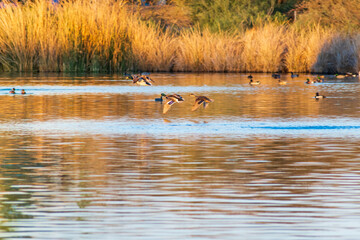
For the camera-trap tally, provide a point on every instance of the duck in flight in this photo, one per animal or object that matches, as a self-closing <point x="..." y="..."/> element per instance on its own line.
<point x="142" y="80"/>
<point x="174" y="98"/>
<point x="200" y="100"/>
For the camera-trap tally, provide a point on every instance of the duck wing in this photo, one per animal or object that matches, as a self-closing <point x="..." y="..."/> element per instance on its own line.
<point x="148" y="78"/>
<point x="197" y="104"/>
<point x="167" y="106"/>
<point x="147" y="82"/>
<point x="206" y="104"/>
<point x="178" y="97"/>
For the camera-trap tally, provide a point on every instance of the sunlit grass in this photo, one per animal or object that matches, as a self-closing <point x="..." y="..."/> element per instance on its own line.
<point x="107" y="36"/>
<point x="264" y="47"/>
<point x="304" y="47"/>
<point x="208" y="52"/>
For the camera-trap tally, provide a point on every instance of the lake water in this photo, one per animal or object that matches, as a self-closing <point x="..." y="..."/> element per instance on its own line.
<point x="93" y="157"/>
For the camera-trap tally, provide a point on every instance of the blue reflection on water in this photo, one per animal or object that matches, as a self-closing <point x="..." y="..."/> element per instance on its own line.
<point x="183" y="127"/>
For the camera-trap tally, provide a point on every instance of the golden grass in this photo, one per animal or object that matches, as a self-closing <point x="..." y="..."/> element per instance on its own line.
<point x="264" y="47"/>
<point x="108" y="36"/>
<point x="151" y="49"/>
<point x="208" y="52"/>
<point x="304" y="46"/>
<point x="92" y="36"/>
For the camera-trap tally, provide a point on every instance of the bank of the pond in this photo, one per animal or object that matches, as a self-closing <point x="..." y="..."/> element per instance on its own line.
<point x="106" y="36"/>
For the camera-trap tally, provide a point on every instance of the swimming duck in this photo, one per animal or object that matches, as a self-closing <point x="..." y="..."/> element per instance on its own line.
<point x="293" y="75"/>
<point x="250" y="77"/>
<point x="318" y="79"/>
<point x="276" y="75"/>
<point x="12" y="91"/>
<point x="349" y="74"/>
<point x="282" y="82"/>
<point x="23" y="91"/>
<point x="174" y="98"/>
<point x="308" y="81"/>
<point x="160" y="99"/>
<point x="339" y="76"/>
<point x="318" y="96"/>
<point x="200" y="100"/>
<point x="252" y="82"/>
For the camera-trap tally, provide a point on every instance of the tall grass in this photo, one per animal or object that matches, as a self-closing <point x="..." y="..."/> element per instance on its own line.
<point x="339" y="54"/>
<point x="151" y="48"/>
<point x="264" y="47"/>
<point x="92" y="36"/>
<point x="109" y="36"/>
<point x="74" y="36"/>
<point x="203" y="51"/>
<point x="303" y="47"/>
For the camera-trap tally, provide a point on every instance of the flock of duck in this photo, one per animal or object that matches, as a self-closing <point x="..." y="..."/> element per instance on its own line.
<point x="144" y="80"/>
<point x="317" y="79"/>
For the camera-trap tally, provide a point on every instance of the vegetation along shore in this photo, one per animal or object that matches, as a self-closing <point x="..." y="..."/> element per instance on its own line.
<point x="181" y="36"/>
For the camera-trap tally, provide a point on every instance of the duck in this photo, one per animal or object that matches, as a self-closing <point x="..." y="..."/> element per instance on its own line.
<point x="318" y="96"/>
<point x="293" y="75"/>
<point x="142" y="80"/>
<point x="282" y="82"/>
<point x="146" y="77"/>
<point x="340" y="76"/>
<point x="250" y="77"/>
<point x="252" y="82"/>
<point x="318" y="79"/>
<point x="174" y="98"/>
<point x="200" y="100"/>
<point x="160" y="99"/>
<point x="12" y="91"/>
<point x="276" y="75"/>
<point x="349" y="74"/>
<point x="23" y="91"/>
<point x="308" y="81"/>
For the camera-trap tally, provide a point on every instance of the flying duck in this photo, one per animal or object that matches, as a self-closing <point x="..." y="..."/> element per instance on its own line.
<point x="200" y="100"/>
<point x="174" y="98"/>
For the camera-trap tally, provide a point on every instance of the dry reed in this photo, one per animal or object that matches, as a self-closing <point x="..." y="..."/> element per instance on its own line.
<point x="339" y="54"/>
<point x="203" y="51"/>
<point x="108" y="36"/>
<point x="264" y="47"/>
<point x="304" y="46"/>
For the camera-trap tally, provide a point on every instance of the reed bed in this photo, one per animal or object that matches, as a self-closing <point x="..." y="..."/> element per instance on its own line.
<point x="338" y="54"/>
<point x="108" y="36"/>
<point x="304" y="47"/>
<point x="203" y="51"/>
<point x="264" y="48"/>
<point x="151" y="48"/>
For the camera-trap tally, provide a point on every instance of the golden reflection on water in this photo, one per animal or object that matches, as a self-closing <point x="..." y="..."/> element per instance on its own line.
<point x="52" y="178"/>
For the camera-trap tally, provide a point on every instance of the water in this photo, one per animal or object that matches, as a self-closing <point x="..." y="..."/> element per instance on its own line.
<point x="89" y="157"/>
